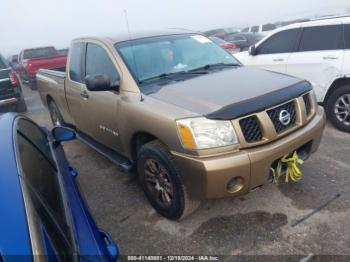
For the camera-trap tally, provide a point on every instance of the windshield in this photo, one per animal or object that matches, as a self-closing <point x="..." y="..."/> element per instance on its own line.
<point x="151" y="57"/>
<point x="39" y="52"/>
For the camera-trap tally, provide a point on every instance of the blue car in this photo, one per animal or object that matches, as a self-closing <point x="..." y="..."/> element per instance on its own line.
<point x="42" y="214"/>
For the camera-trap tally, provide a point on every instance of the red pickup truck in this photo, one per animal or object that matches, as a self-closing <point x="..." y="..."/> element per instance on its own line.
<point x="31" y="60"/>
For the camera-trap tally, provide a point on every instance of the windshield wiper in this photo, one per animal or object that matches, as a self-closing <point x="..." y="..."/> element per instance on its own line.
<point x="172" y="76"/>
<point x="214" y="66"/>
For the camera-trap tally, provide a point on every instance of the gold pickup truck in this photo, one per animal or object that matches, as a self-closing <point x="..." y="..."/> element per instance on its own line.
<point x="182" y="113"/>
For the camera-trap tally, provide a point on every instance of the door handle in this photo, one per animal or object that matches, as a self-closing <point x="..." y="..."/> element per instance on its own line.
<point x="84" y="95"/>
<point x="278" y="60"/>
<point x="330" y="57"/>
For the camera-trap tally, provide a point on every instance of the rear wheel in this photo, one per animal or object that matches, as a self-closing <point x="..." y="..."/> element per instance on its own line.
<point x="338" y="108"/>
<point x="161" y="181"/>
<point x="55" y="114"/>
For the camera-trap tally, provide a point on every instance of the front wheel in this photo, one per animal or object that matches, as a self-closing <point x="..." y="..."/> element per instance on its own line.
<point x="338" y="108"/>
<point x="161" y="181"/>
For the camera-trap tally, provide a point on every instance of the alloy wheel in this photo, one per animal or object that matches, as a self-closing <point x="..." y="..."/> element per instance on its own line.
<point x="158" y="183"/>
<point x="342" y="109"/>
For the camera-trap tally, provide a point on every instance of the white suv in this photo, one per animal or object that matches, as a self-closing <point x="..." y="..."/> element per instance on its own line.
<point x="318" y="51"/>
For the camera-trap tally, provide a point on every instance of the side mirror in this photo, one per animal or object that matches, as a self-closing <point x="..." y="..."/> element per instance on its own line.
<point x="252" y="50"/>
<point x="100" y="83"/>
<point x="61" y="133"/>
<point x="112" y="248"/>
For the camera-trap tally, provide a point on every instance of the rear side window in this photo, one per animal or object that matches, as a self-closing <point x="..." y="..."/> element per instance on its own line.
<point x="98" y="62"/>
<point x="45" y="191"/>
<point x="282" y="42"/>
<point x="2" y="63"/>
<point x="347" y="36"/>
<point x="37" y="137"/>
<point x="321" y="38"/>
<point x="75" y="69"/>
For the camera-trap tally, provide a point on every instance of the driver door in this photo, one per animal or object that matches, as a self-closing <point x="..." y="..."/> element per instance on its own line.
<point x="95" y="114"/>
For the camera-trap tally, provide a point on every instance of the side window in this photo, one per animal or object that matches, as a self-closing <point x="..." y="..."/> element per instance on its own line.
<point x="255" y="29"/>
<point x="239" y="38"/>
<point x="98" y="62"/>
<point x="45" y="192"/>
<point x="245" y="29"/>
<point x="321" y="38"/>
<point x="75" y="72"/>
<point x="3" y="64"/>
<point x="37" y="137"/>
<point x="268" y="27"/>
<point x="282" y="42"/>
<point x="347" y="36"/>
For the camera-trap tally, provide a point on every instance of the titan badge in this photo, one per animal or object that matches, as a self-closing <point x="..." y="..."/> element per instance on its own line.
<point x="284" y="117"/>
<point x="106" y="129"/>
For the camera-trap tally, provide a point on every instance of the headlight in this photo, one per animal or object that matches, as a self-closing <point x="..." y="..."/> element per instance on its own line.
<point x="203" y="133"/>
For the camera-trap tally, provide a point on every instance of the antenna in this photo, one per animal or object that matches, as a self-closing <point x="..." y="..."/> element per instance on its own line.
<point x="132" y="45"/>
<point x="127" y="22"/>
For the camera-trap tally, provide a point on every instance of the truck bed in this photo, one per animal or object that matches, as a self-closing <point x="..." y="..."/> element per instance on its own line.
<point x="55" y="62"/>
<point x="51" y="86"/>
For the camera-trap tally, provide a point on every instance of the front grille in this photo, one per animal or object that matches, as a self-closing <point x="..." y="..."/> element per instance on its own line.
<point x="307" y="102"/>
<point x="274" y="114"/>
<point x="251" y="129"/>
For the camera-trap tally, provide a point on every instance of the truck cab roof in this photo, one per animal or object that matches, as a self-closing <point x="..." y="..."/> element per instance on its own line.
<point x="138" y="35"/>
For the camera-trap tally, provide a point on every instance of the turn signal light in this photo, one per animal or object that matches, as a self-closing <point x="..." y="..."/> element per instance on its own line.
<point x="186" y="136"/>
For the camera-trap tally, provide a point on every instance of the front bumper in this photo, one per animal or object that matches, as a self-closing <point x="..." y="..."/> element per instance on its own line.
<point x="207" y="178"/>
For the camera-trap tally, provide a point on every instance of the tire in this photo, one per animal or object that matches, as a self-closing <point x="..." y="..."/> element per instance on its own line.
<point x="21" y="107"/>
<point x="55" y="114"/>
<point x="338" y="108"/>
<point x="155" y="154"/>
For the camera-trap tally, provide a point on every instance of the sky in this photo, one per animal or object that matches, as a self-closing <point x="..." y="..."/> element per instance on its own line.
<point x="32" y="23"/>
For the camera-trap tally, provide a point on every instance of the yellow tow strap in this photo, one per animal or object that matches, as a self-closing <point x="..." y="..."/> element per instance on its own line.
<point x="293" y="172"/>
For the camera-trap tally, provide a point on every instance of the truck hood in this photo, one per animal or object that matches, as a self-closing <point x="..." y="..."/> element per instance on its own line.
<point x="233" y="88"/>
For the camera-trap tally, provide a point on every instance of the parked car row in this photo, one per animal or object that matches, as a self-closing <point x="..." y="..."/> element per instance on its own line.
<point x="244" y="40"/>
<point x="221" y="32"/>
<point x="230" y="47"/>
<point x="29" y="61"/>
<point x="264" y="29"/>
<point x="318" y="51"/>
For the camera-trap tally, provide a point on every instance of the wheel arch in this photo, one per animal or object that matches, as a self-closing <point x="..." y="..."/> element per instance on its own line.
<point x="138" y="139"/>
<point x="336" y="83"/>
